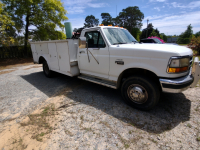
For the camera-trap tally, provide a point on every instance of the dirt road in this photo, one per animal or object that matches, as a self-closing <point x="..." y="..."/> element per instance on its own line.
<point x="67" y="113"/>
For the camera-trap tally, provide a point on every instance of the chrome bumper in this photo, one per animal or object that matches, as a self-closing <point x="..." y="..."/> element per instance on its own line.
<point x="183" y="83"/>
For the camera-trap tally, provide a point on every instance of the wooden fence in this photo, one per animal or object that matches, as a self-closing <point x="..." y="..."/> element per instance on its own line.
<point x="14" y="52"/>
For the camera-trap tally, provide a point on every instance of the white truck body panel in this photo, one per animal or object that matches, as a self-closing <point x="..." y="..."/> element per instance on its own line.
<point x="64" y="56"/>
<point x="61" y="55"/>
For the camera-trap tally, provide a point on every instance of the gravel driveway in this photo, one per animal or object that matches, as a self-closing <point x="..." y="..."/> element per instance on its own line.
<point x="91" y="116"/>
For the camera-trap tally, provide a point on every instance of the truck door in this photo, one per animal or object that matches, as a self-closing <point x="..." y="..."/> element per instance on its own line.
<point x="95" y="59"/>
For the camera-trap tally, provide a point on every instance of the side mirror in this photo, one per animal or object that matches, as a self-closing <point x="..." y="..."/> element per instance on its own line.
<point x="82" y="42"/>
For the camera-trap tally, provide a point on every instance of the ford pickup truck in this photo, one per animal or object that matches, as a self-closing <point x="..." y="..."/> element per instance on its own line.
<point x="112" y="57"/>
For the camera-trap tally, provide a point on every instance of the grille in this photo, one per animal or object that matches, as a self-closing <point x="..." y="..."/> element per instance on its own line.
<point x="191" y="60"/>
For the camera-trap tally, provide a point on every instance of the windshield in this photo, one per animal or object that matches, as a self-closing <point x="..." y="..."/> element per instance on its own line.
<point x="118" y="36"/>
<point x="157" y="41"/>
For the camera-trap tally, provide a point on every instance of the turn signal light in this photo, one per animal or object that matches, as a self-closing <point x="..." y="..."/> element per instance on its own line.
<point x="121" y="27"/>
<point x="101" y="25"/>
<point x="116" y="26"/>
<point x="110" y="25"/>
<point x="177" y="70"/>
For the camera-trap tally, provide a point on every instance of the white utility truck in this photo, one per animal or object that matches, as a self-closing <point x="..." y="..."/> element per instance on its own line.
<point x="111" y="56"/>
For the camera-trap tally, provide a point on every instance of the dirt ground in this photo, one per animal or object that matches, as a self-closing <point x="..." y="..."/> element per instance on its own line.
<point x="68" y="113"/>
<point x="10" y="63"/>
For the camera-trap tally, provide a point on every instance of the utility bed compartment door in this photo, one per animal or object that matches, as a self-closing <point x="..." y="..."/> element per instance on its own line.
<point x="53" y="57"/>
<point x="63" y="56"/>
<point x="35" y="55"/>
<point x="42" y="48"/>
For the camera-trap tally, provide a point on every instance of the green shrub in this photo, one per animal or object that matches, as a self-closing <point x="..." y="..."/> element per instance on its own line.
<point x="195" y="44"/>
<point x="183" y="40"/>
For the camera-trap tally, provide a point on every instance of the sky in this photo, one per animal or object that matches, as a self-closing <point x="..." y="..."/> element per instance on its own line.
<point x="169" y="16"/>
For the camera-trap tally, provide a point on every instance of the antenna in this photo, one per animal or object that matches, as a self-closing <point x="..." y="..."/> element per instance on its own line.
<point x="116" y="11"/>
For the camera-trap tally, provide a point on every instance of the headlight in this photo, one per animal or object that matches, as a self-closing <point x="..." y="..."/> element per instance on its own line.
<point x="178" y="65"/>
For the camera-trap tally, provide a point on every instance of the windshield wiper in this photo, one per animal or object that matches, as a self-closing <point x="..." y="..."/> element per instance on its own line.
<point x="119" y="43"/>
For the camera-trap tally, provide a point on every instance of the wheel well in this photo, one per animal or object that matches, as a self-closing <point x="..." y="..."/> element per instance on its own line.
<point x="41" y="60"/>
<point x="137" y="71"/>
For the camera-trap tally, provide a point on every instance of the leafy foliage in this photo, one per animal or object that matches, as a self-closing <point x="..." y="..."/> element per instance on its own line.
<point x="197" y="34"/>
<point x="48" y="32"/>
<point x="164" y="37"/>
<point x="130" y="18"/>
<point x="91" y="21"/>
<point x="186" y="36"/>
<point x="195" y="44"/>
<point x="136" y="33"/>
<point x="107" y="19"/>
<point x="147" y="31"/>
<point x="36" y="13"/>
<point x="5" y="24"/>
<point x="153" y="33"/>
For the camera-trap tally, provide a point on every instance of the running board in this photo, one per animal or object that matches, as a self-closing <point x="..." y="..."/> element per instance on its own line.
<point x="98" y="81"/>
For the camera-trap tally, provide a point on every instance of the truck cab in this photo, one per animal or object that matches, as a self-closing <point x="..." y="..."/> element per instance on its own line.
<point x="112" y="57"/>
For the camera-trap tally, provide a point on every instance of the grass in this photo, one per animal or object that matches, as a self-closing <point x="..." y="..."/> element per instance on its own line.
<point x="40" y="121"/>
<point x="196" y="56"/>
<point x="182" y="44"/>
<point x="198" y="139"/>
<point x="153" y="140"/>
<point x="189" y="125"/>
<point x="69" y="133"/>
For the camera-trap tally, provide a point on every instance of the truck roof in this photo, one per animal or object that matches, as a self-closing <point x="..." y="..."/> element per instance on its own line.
<point x="102" y="27"/>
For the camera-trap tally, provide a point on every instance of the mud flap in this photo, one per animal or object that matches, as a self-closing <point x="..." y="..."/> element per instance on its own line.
<point x="195" y="72"/>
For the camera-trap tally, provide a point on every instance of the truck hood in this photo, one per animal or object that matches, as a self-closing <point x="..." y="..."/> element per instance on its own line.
<point x="179" y="50"/>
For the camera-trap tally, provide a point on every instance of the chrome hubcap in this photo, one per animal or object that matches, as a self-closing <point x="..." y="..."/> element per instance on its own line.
<point x="137" y="93"/>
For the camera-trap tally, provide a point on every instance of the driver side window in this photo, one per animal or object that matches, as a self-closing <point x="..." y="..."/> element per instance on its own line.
<point x="94" y="40"/>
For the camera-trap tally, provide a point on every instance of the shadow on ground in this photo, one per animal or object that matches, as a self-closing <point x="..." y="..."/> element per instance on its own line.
<point x="170" y="111"/>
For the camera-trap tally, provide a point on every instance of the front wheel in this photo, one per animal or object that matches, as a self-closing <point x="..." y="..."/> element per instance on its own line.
<point x="47" y="72"/>
<point x="140" y="92"/>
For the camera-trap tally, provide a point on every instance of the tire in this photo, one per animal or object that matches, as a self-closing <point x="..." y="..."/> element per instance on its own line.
<point x="140" y="92"/>
<point x="47" y="72"/>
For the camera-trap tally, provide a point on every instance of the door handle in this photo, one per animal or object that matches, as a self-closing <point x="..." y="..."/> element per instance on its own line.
<point x="82" y="52"/>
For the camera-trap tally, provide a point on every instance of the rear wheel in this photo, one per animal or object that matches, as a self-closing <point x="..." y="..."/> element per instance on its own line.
<point x="140" y="92"/>
<point x="48" y="73"/>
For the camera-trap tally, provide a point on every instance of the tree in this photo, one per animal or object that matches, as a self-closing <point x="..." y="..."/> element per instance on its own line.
<point x="5" y="24"/>
<point x="136" y="33"/>
<point x="36" y="13"/>
<point x="107" y="19"/>
<point x="147" y="31"/>
<point x="186" y="36"/>
<point x="131" y="17"/>
<point x="91" y="21"/>
<point x="197" y="34"/>
<point x="153" y="33"/>
<point x="164" y="37"/>
<point x="116" y="21"/>
<point x="42" y="33"/>
<point x="157" y="32"/>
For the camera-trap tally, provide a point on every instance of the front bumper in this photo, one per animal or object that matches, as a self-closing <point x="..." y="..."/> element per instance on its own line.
<point x="180" y="84"/>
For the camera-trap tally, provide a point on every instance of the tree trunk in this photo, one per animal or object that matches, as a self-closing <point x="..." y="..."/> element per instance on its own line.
<point x="26" y="35"/>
